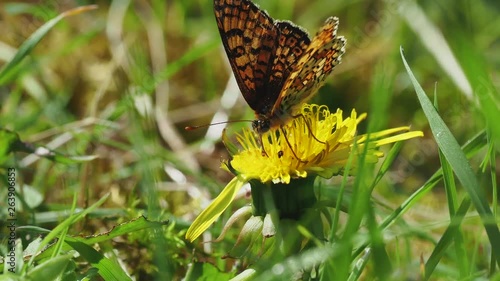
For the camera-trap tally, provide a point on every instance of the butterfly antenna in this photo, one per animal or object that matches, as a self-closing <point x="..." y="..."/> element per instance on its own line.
<point x="191" y="128"/>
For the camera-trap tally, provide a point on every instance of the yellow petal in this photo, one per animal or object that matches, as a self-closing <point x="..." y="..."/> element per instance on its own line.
<point x="215" y="209"/>
<point x="400" y="137"/>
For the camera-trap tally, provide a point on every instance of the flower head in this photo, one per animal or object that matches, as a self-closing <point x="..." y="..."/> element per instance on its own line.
<point x="316" y="142"/>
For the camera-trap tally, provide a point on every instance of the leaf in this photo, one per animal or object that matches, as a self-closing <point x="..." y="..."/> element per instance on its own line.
<point x="64" y="225"/>
<point x="51" y="269"/>
<point x="199" y="271"/>
<point x="119" y="230"/>
<point x="446" y="240"/>
<point x="28" y="45"/>
<point x="458" y="162"/>
<point x="7" y="141"/>
<point x="108" y="269"/>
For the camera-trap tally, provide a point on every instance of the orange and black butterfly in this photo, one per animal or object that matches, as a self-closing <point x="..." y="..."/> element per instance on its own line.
<point x="276" y="65"/>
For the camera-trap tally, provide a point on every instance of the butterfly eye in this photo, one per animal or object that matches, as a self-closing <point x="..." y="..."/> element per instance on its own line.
<point x="261" y="126"/>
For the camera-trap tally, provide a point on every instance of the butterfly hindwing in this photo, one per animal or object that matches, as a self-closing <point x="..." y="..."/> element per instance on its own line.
<point x="318" y="60"/>
<point x="291" y="43"/>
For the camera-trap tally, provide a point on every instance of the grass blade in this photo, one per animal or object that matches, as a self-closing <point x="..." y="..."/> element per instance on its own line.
<point x="108" y="269"/>
<point x="28" y="45"/>
<point x="447" y="238"/>
<point x="458" y="162"/>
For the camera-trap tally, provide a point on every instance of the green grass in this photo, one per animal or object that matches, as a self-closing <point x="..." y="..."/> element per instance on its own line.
<point x="93" y="106"/>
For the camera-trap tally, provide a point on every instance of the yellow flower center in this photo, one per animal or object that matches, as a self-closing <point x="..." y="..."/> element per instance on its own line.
<point x="317" y="141"/>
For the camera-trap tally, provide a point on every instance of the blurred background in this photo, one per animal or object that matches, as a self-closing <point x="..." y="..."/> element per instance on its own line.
<point x="122" y="81"/>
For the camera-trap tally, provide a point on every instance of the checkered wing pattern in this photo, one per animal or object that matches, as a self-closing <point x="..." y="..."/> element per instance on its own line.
<point x="321" y="56"/>
<point x="262" y="52"/>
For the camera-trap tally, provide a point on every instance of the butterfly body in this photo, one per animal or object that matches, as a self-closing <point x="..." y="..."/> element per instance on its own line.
<point x="276" y="65"/>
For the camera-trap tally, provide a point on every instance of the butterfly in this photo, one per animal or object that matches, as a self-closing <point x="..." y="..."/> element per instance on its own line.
<point x="276" y="65"/>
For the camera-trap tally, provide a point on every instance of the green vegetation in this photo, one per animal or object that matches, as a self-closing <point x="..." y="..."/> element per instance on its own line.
<point x="93" y="106"/>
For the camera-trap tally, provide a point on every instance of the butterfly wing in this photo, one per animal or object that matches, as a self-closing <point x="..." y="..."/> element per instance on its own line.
<point x="292" y="42"/>
<point x="318" y="60"/>
<point x="248" y="35"/>
<point x="262" y="53"/>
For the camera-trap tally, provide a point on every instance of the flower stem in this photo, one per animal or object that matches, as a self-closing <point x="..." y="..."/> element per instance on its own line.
<point x="289" y="200"/>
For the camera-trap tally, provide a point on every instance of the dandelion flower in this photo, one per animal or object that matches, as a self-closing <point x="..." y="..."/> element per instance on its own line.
<point x="315" y="143"/>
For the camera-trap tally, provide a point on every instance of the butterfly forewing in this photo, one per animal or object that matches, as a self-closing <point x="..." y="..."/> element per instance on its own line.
<point x="262" y="53"/>
<point x="276" y="65"/>
<point x="291" y="43"/>
<point x="318" y="60"/>
<point x="248" y="35"/>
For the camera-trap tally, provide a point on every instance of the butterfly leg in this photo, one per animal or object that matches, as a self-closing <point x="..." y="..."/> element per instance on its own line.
<point x="263" y="152"/>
